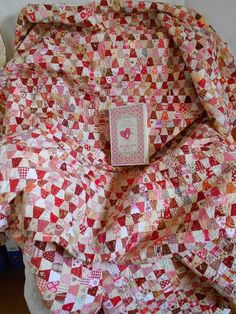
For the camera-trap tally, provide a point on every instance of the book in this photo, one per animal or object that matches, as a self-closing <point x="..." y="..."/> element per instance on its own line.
<point x="14" y="254"/>
<point x="129" y="135"/>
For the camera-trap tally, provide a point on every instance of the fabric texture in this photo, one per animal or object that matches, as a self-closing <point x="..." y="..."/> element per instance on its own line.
<point x="102" y="239"/>
<point x="31" y="292"/>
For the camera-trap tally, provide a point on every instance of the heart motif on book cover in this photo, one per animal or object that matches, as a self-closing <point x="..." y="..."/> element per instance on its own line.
<point x="125" y="133"/>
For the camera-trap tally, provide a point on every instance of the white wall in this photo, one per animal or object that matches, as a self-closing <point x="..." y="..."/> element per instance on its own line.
<point x="220" y="13"/>
<point x="222" y="16"/>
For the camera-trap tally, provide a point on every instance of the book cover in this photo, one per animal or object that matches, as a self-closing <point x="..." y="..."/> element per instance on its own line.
<point x="128" y="135"/>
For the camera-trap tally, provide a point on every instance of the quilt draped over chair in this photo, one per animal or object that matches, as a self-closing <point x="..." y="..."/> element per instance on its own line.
<point x="153" y="239"/>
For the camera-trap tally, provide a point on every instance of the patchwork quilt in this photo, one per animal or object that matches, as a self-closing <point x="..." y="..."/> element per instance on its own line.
<point x="147" y="239"/>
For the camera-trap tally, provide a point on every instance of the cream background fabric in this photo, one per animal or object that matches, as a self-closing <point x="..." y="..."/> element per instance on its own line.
<point x="2" y="52"/>
<point x="31" y="293"/>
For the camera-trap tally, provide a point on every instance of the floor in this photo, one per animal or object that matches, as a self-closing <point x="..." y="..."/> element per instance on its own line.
<point x="12" y="293"/>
